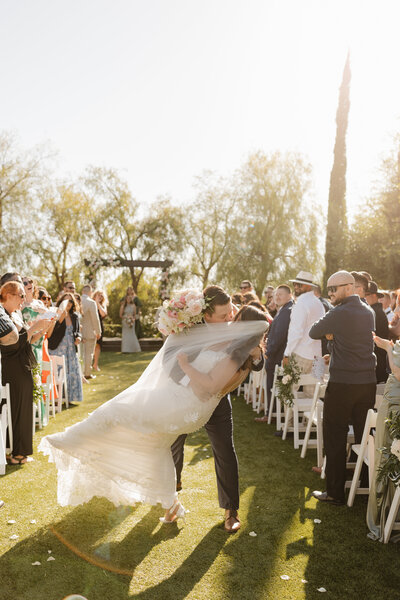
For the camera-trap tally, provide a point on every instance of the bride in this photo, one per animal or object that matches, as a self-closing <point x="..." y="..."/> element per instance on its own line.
<point x="122" y="451"/>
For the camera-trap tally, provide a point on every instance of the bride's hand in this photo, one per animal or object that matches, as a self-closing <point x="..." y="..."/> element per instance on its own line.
<point x="183" y="361"/>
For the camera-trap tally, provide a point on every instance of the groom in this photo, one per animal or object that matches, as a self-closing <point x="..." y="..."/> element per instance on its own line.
<point x="220" y="425"/>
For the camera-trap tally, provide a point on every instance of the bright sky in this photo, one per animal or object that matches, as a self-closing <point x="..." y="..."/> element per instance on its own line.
<point x="162" y="89"/>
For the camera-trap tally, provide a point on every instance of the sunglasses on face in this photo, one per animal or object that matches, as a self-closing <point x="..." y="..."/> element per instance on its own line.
<point x="20" y="295"/>
<point x="27" y="282"/>
<point x="331" y="289"/>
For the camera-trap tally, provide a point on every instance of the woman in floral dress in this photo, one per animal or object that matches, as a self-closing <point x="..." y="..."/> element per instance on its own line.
<point x="64" y="342"/>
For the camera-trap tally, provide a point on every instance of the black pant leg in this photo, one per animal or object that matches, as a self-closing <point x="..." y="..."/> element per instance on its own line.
<point x="365" y="399"/>
<point x="177" y="450"/>
<point x="220" y="432"/>
<point x="337" y="410"/>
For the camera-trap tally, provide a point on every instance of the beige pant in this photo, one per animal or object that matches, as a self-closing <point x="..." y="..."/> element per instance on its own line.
<point x="305" y="365"/>
<point x="88" y="352"/>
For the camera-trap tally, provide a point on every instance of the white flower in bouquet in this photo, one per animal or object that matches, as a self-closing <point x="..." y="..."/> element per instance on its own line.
<point x="286" y="379"/>
<point x="395" y="448"/>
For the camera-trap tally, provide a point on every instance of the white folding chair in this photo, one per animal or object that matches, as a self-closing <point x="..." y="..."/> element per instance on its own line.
<point x="49" y="391"/>
<point x="60" y="376"/>
<point x="313" y="417"/>
<point x="391" y="523"/>
<point x="275" y="402"/>
<point x="365" y="454"/>
<point x="5" y="423"/>
<point x="37" y="416"/>
<point x="301" y="404"/>
<point x="257" y="389"/>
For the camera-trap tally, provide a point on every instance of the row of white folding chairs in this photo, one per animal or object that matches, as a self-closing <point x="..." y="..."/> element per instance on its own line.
<point x="56" y="368"/>
<point x="5" y="424"/>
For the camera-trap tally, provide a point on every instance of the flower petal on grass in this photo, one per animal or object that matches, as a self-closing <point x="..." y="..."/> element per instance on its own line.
<point x="285" y="577"/>
<point x="304" y="581"/>
<point x="14" y="536"/>
<point x="33" y="522"/>
<point x="50" y="558"/>
<point x="11" y="522"/>
<point x="321" y="589"/>
<point x="253" y="534"/>
<point x="36" y="564"/>
<point x="317" y="521"/>
<point x="49" y="551"/>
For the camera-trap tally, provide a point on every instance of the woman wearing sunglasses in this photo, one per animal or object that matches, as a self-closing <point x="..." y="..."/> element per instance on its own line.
<point x="17" y="361"/>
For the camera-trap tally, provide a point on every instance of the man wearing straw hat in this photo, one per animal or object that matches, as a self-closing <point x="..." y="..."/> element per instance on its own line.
<point x="305" y="312"/>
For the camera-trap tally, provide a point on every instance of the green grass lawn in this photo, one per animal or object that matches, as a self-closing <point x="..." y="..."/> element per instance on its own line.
<point x="108" y="553"/>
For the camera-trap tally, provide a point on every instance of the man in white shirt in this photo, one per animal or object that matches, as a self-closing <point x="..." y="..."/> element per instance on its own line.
<point x="305" y="312"/>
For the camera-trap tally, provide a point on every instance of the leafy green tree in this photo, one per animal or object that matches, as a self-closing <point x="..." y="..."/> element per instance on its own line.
<point x="336" y="233"/>
<point x="121" y="231"/>
<point x="275" y="230"/>
<point x="209" y="226"/>
<point x="61" y="232"/>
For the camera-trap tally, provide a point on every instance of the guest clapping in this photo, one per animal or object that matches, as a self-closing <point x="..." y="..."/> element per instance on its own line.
<point x="17" y="362"/>
<point x="64" y="341"/>
<point x="100" y="297"/>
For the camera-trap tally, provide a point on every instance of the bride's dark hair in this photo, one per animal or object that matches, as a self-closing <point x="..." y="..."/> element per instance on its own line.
<point x="249" y="313"/>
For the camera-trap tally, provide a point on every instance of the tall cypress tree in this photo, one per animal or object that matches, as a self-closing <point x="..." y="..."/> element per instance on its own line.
<point x="336" y="233"/>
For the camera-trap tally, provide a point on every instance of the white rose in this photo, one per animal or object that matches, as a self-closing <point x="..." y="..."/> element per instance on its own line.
<point x="286" y="379"/>
<point x="395" y="448"/>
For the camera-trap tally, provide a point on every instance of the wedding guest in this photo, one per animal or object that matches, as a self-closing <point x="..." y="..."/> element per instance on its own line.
<point x="68" y="287"/>
<point x="277" y="337"/>
<point x="385" y="300"/>
<point x="382" y="490"/>
<point x="100" y="297"/>
<point x="10" y="277"/>
<point x="64" y="341"/>
<point x="261" y="307"/>
<point x="31" y="309"/>
<point x="381" y="329"/>
<point x="246" y="287"/>
<point x="360" y="285"/>
<point x="91" y="329"/>
<point x="237" y="299"/>
<point x="393" y="299"/>
<point x="17" y="360"/>
<point x="305" y="312"/>
<point x="128" y="313"/>
<point x="45" y="297"/>
<point x="250" y="297"/>
<point x="352" y="381"/>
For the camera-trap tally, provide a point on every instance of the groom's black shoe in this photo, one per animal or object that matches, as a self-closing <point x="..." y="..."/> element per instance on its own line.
<point x="178" y="486"/>
<point x="232" y="522"/>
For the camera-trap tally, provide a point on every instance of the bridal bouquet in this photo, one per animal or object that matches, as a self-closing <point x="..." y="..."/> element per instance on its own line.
<point x="130" y="321"/>
<point x="181" y="312"/>
<point x="290" y="376"/>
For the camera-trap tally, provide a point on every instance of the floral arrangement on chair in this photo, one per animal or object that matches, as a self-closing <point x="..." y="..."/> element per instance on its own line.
<point x="391" y="467"/>
<point x="291" y="373"/>
<point x="182" y="311"/>
<point x="37" y="385"/>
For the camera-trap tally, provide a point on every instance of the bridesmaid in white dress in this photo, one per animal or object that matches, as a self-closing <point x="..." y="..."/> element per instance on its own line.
<point x="128" y="314"/>
<point x="122" y="451"/>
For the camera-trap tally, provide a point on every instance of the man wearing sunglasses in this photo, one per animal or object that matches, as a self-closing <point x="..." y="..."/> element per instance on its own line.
<point x="352" y="382"/>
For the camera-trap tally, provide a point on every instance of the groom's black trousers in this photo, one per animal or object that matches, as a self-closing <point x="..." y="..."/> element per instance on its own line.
<point x="220" y="431"/>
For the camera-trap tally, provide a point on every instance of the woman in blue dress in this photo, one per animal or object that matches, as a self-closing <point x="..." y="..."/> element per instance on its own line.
<point x="64" y="342"/>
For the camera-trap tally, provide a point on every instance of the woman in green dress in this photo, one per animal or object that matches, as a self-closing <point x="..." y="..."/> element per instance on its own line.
<point x="382" y="491"/>
<point x="31" y="308"/>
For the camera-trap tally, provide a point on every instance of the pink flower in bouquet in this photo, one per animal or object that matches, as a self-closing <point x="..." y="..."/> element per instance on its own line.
<point x="195" y="307"/>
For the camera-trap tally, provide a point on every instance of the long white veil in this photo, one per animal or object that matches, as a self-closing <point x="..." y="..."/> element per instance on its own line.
<point x="164" y="377"/>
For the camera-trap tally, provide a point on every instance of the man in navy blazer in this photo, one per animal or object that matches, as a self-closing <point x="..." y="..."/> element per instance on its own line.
<point x="277" y="335"/>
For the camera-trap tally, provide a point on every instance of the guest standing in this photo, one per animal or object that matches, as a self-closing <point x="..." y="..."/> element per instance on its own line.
<point x="64" y="341"/>
<point x="100" y="297"/>
<point x="91" y="329"/>
<point x="127" y="313"/>
<point x="17" y="361"/>
<point x="352" y="381"/>
<point x="381" y="329"/>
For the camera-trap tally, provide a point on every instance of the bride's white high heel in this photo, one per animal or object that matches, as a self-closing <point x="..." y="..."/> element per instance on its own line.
<point x="174" y="513"/>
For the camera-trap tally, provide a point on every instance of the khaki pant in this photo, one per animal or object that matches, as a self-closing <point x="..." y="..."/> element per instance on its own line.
<point x="88" y="353"/>
<point x="305" y="365"/>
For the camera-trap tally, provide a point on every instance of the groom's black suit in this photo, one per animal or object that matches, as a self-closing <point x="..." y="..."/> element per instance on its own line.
<point x="220" y="431"/>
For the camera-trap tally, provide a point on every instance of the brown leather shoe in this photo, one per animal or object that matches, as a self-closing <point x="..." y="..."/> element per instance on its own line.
<point x="232" y="521"/>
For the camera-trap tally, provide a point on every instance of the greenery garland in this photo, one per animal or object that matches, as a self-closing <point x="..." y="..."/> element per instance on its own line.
<point x="37" y="384"/>
<point x="291" y="374"/>
<point x="391" y="467"/>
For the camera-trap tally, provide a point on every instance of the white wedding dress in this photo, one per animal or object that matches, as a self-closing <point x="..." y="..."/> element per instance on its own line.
<point x="122" y="451"/>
